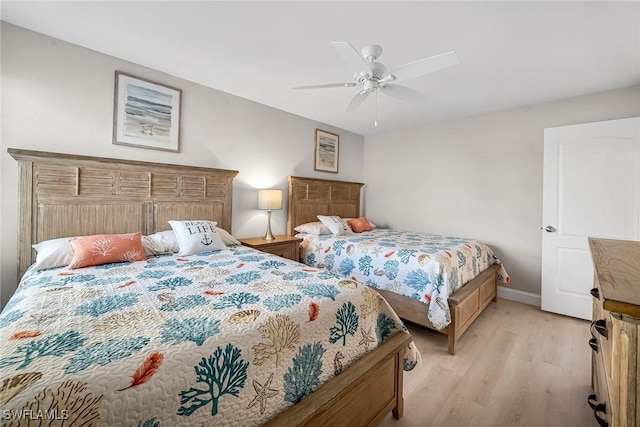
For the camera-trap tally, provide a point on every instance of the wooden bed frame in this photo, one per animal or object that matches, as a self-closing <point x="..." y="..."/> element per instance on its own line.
<point x="63" y="195"/>
<point x="309" y="197"/>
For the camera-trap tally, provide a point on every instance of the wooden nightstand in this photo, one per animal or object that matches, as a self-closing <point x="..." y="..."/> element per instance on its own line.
<point x="284" y="246"/>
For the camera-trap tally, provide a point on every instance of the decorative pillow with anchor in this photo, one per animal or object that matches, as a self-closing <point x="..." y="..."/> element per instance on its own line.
<point x="337" y="225"/>
<point x="197" y="236"/>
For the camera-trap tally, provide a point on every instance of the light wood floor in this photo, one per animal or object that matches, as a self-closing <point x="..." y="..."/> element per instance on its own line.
<point x="515" y="366"/>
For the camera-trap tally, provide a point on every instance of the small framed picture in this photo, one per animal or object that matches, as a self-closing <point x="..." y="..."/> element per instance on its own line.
<point x="327" y="147"/>
<point x="146" y="114"/>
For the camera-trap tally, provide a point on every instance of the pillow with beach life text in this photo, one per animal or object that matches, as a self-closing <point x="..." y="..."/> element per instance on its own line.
<point x="195" y="236"/>
<point x="337" y="225"/>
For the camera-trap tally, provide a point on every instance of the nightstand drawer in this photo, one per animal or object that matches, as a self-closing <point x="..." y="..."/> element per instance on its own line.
<point x="282" y="246"/>
<point x="285" y="251"/>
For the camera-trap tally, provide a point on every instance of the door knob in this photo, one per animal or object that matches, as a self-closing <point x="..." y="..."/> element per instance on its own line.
<point x="550" y="229"/>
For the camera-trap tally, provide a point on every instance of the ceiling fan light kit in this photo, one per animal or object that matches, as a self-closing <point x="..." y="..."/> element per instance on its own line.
<point x="372" y="76"/>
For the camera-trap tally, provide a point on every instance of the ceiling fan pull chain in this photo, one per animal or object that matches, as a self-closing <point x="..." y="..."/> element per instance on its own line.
<point x="375" y="122"/>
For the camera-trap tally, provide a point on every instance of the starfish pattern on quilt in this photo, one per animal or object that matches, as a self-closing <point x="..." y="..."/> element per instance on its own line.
<point x="263" y="392"/>
<point x="367" y="338"/>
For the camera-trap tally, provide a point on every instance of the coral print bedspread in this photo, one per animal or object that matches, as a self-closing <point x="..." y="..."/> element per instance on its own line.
<point x="231" y="337"/>
<point x="425" y="267"/>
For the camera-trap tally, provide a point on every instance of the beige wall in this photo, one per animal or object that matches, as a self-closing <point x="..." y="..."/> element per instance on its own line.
<point x="479" y="177"/>
<point x="476" y="177"/>
<point x="59" y="97"/>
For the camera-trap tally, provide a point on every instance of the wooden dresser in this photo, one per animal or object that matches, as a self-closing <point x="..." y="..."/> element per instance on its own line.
<point x="615" y="332"/>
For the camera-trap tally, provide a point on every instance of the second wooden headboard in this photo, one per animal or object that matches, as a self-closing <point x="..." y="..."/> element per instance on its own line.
<point x="309" y="197"/>
<point x="64" y="195"/>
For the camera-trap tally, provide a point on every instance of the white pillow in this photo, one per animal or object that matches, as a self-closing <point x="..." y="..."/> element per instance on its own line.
<point x="163" y="242"/>
<point x="316" y="228"/>
<point x="196" y="236"/>
<point x="227" y="238"/>
<point x="337" y="225"/>
<point x="52" y="253"/>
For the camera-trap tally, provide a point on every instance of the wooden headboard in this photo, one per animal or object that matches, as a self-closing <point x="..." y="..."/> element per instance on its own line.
<point x="64" y="195"/>
<point x="309" y="197"/>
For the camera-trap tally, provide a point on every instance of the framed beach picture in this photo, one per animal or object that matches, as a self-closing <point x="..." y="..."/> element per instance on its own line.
<point x="327" y="145"/>
<point x="146" y="114"/>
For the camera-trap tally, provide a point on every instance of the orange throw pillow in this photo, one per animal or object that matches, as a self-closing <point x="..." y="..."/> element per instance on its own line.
<point x="105" y="249"/>
<point x="359" y="224"/>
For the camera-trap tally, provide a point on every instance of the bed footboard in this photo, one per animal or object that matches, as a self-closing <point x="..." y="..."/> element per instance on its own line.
<point x="465" y="305"/>
<point x="362" y="395"/>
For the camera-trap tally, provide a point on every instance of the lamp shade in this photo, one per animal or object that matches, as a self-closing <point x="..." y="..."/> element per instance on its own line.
<point x="270" y="199"/>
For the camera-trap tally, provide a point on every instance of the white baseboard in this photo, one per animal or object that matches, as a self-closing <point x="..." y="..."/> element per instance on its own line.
<point x="520" y="296"/>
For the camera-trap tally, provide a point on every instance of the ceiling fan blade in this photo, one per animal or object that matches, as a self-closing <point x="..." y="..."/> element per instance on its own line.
<point x="425" y="66"/>
<point x="351" y="57"/>
<point x="402" y="92"/>
<point x="357" y="100"/>
<point x="326" y="86"/>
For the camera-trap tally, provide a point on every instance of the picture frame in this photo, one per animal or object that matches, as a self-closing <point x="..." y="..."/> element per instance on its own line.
<point x="146" y="114"/>
<point x="327" y="151"/>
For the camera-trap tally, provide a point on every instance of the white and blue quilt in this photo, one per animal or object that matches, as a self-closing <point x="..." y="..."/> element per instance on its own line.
<point x="231" y="337"/>
<point x="425" y="267"/>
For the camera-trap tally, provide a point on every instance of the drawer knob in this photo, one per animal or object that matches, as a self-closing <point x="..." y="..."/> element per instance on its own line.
<point x="591" y="400"/>
<point x="595" y="293"/>
<point x="601" y="408"/>
<point x="601" y="327"/>
<point x="593" y="343"/>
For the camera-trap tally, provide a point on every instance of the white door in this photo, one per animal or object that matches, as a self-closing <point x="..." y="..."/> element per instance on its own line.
<point x="591" y="188"/>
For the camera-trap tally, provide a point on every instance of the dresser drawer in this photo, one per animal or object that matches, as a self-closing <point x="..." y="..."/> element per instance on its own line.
<point x="601" y="404"/>
<point x="624" y="387"/>
<point x="602" y="332"/>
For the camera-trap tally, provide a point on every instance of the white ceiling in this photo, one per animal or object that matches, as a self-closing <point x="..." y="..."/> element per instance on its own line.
<point x="512" y="53"/>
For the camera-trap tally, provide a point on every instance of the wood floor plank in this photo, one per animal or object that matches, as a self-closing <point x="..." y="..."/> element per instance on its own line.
<point x="480" y="383"/>
<point x="459" y="411"/>
<point x="436" y="388"/>
<point x="515" y="366"/>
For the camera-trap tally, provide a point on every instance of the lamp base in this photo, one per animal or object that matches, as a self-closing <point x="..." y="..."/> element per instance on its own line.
<point x="268" y="235"/>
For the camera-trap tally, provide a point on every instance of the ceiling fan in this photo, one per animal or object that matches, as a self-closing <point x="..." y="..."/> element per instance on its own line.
<point x="372" y="76"/>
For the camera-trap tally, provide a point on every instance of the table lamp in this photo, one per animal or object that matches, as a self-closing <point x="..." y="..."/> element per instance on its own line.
<point x="269" y="200"/>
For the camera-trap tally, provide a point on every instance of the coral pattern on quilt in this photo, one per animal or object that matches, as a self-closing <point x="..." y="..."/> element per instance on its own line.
<point x="425" y="267"/>
<point x="231" y="337"/>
